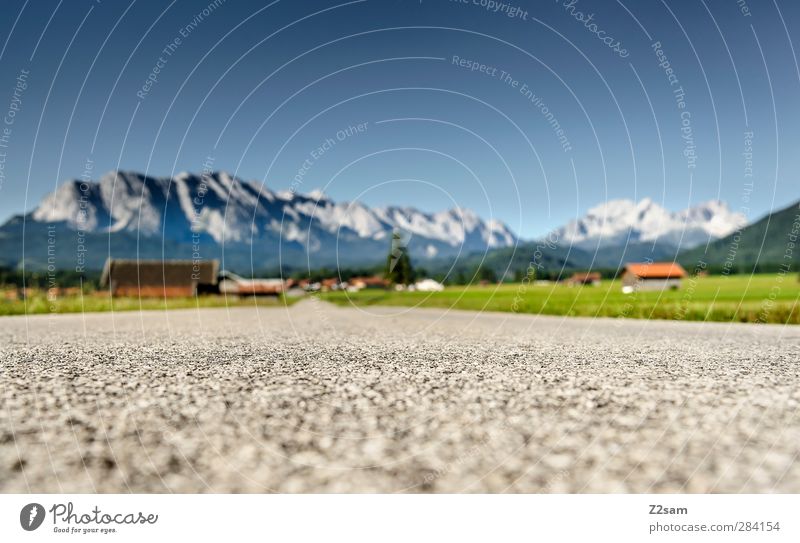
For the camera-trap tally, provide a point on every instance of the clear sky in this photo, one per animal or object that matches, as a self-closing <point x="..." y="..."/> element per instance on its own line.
<point x="530" y="112"/>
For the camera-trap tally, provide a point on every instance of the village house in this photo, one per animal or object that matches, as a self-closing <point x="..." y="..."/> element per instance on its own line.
<point x="302" y="284"/>
<point x="159" y="278"/>
<point x="359" y="283"/>
<point x="331" y="283"/>
<point x="232" y="284"/>
<point x="652" y="276"/>
<point x="584" y="278"/>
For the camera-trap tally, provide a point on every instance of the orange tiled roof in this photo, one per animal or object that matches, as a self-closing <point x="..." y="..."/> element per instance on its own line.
<point x="657" y="270"/>
<point x="374" y="280"/>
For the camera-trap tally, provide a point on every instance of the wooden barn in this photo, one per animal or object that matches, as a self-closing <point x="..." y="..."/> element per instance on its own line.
<point x="652" y="276"/>
<point x="584" y="278"/>
<point x="159" y="278"/>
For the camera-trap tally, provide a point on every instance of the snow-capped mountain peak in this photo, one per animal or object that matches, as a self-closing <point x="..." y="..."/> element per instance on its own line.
<point x="317" y="194"/>
<point x="228" y="210"/>
<point x="617" y="222"/>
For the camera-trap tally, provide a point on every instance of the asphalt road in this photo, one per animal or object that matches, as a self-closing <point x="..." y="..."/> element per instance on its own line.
<point x="317" y="398"/>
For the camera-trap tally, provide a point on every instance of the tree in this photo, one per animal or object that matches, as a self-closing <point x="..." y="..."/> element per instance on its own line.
<point x="398" y="264"/>
<point x="461" y="278"/>
<point x="486" y="274"/>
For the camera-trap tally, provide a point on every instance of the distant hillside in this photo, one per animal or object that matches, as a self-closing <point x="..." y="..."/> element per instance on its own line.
<point x="550" y="260"/>
<point x="510" y="262"/>
<point x="762" y="246"/>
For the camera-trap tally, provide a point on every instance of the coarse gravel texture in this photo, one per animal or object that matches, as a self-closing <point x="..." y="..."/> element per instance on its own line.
<point x="317" y="398"/>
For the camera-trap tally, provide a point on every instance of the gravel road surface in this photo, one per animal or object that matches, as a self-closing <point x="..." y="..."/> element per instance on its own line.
<point x="317" y="398"/>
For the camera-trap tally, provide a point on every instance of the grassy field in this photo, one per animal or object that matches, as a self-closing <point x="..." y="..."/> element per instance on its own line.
<point x="766" y="298"/>
<point x="39" y="304"/>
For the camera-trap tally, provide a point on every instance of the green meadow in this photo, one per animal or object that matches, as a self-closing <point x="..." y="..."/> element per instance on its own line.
<point x="763" y="298"/>
<point x="39" y="303"/>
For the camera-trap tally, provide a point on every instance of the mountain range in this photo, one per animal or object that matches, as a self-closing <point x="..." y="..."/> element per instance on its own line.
<point x="620" y="222"/>
<point x="128" y="214"/>
<point x="251" y="228"/>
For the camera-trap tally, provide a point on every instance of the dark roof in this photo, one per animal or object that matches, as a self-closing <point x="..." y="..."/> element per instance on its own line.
<point x="159" y="272"/>
<point x="585" y="277"/>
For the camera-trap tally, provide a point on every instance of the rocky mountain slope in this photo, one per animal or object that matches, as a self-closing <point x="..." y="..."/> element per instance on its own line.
<point x="620" y="222"/>
<point x="245" y="221"/>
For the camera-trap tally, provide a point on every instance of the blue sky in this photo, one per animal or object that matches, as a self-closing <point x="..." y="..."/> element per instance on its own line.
<point x="563" y="110"/>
